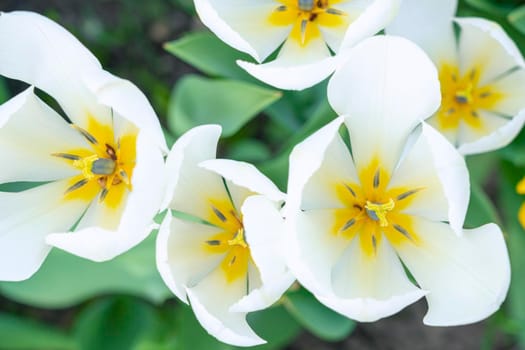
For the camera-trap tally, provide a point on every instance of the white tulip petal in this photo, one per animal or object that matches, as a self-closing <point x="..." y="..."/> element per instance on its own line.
<point x="428" y="23"/>
<point x="25" y="150"/>
<point x="26" y="218"/>
<point x="491" y="123"/>
<point x="95" y="243"/>
<point x="98" y="214"/>
<point x="501" y="137"/>
<point x="417" y="172"/>
<point x="305" y="159"/>
<point x="512" y="86"/>
<point x="313" y="249"/>
<point x="453" y="174"/>
<point x="107" y="232"/>
<point x="296" y="67"/>
<point x="368" y="309"/>
<point x="124" y="98"/>
<point x="189" y="187"/>
<point x="337" y="168"/>
<point x="334" y="35"/>
<point x="268" y="294"/>
<point x="467" y="276"/>
<point x="265" y="234"/>
<point x="375" y="89"/>
<point x="211" y="300"/>
<point x="238" y="194"/>
<point x="477" y="38"/>
<point x="244" y="175"/>
<point x="375" y="18"/>
<point x="444" y="181"/>
<point x="181" y="259"/>
<point x="243" y="24"/>
<point x="46" y="55"/>
<point x="368" y="288"/>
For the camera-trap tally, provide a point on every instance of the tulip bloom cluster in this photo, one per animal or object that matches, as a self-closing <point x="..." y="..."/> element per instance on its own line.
<point x="375" y="197"/>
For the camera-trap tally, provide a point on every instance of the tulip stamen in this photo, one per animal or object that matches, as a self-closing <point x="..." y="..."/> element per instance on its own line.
<point x="403" y="231"/>
<point x="219" y="214"/>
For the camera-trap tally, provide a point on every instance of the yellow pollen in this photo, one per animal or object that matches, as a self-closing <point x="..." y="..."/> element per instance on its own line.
<point x="377" y="212"/>
<point x="238" y="239"/>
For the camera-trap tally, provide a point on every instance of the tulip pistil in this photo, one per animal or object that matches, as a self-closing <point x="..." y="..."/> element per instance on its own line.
<point x="377" y="212"/>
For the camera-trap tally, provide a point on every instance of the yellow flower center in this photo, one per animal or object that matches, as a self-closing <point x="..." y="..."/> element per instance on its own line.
<point x="105" y="169"/>
<point x="463" y="97"/>
<point x="306" y="16"/>
<point x="230" y="242"/>
<point x="372" y="210"/>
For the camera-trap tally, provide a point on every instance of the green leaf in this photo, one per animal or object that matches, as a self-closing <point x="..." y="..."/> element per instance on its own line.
<point x="489" y="7"/>
<point x="277" y="168"/>
<point x="18" y="333"/>
<point x="517" y="18"/>
<point x="186" y="5"/>
<point x="317" y="318"/>
<point x="191" y="335"/>
<point x="113" y="323"/>
<point x="276" y="326"/>
<point x="510" y="202"/>
<point x="481" y="210"/>
<point x="482" y="166"/>
<point x="65" y="280"/>
<point x="206" y="52"/>
<point x="196" y="101"/>
<point x="248" y="150"/>
<point x="4" y="94"/>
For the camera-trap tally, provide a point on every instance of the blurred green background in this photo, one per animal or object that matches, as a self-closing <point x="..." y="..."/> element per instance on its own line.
<point x="72" y="303"/>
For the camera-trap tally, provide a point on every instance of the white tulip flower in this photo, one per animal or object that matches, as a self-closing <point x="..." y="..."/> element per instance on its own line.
<point x="398" y="199"/>
<point x="481" y="70"/>
<point x="98" y="177"/>
<point x="221" y="248"/>
<point x="310" y="30"/>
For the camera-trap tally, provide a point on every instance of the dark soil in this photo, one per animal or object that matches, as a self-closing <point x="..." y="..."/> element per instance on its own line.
<point x="405" y="331"/>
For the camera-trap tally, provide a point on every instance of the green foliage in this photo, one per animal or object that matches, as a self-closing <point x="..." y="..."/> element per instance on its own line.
<point x="510" y="202"/>
<point x="517" y="18"/>
<point x="481" y="210"/>
<point x="206" y="52"/>
<point x="316" y="317"/>
<point x="114" y="323"/>
<point x="24" y="334"/>
<point x="195" y="101"/>
<point x="277" y="167"/>
<point x="276" y="325"/>
<point x="192" y="335"/>
<point x="4" y="94"/>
